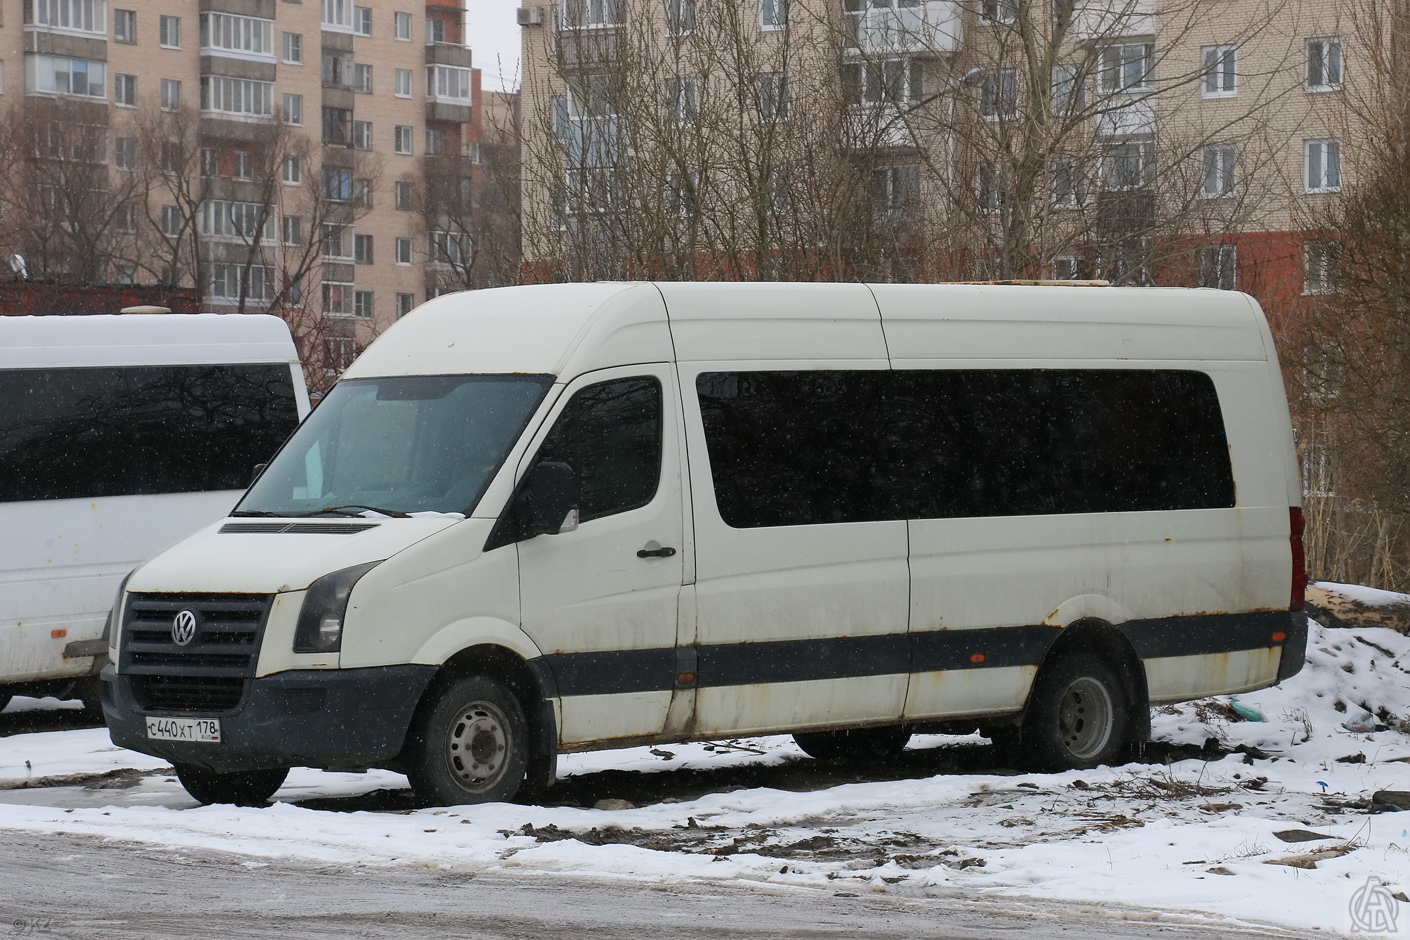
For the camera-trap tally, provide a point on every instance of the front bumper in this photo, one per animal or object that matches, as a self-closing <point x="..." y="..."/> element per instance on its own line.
<point x="326" y="718"/>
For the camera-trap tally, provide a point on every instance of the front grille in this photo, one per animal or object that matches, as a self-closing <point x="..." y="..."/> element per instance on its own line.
<point x="225" y="643"/>
<point x="188" y="693"/>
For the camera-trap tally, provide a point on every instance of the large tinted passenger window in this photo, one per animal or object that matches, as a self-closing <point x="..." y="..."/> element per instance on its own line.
<point x="120" y="431"/>
<point x="610" y="434"/>
<point x="796" y="448"/>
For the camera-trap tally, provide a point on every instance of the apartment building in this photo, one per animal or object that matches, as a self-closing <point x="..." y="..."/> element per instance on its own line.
<point x="1142" y="141"/>
<point x="280" y="144"/>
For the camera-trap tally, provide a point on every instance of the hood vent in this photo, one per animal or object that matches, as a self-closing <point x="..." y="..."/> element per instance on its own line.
<point x="298" y="528"/>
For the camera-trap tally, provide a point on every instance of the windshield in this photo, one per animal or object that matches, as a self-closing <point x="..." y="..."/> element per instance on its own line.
<point x="426" y="443"/>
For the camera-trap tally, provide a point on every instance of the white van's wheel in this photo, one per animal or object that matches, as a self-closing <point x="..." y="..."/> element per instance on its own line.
<point x="1077" y="715"/>
<point x="469" y="744"/>
<point x="241" y="787"/>
<point x="855" y="745"/>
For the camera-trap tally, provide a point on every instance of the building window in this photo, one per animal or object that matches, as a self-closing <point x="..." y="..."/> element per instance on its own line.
<point x="682" y="97"/>
<point x="245" y="221"/>
<point x="244" y="165"/>
<point x="882" y="81"/>
<point x="335" y="242"/>
<point x="993" y="187"/>
<point x="169" y="32"/>
<point x="999" y="11"/>
<point x="401" y="139"/>
<point x="362" y="135"/>
<point x="1319" y="267"/>
<point x="236" y="281"/>
<point x="1067" y="268"/>
<point x="362" y="21"/>
<point x="1322" y="161"/>
<point x="590" y="14"/>
<point x="337" y="126"/>
<point x="125" y="26"/>
<point x="293" y="171"/>
<point x="171" y="221"/>
<point x="435" y="141"/>
<point x="338" y="15"/>
<point x="59" y="75"/>
<point x="1127" y="68"/>
<point x="337" y="299"/>
<point x="402" y="26"/>
<point x="773" y="14"/>
<point x="402" y="86"/>
<point x="1218" y="171"/>
<point x="362" y="78"/>
<point x="1069" y="90"/>
<point x="125" y="219"/>
<point x="84" y="16"/>
<point x="998" y="94"/>
<point x="337" y="184"/>
<point x="402" y="192"/>
<point x="1219" y="71"/>
<point x="773" y="96"/>
<point x="1323" y="64"/>
<point x="125" y="90"/>
<point x="403" y="251"/>
<point x="895" y="190"/>
<point x="171" y="95"/>
<point x="294" y="109"/>
<point x="447" y="248"/>
<point x="293" y="230"/>
<point x="243" y="35"/>
<point x="362" y="249"/>
<point x="680" y="17"/>
<point x="362" y="193"/>
<point x="293" y="48"/>
<point x="1069" y="184"/>
<point x="1128" y="165"/>
<point x="1218" y="265"/>
<point x="362" y="304"/>
<point x="435" y="30"/>
<point x="405" y="302"/>
<point x="448" y="83"/>
<point x="210" y="162"/>
<point x="125" y="153"/>
<point x="337" y="69"/>
<point x="244" y="97"/>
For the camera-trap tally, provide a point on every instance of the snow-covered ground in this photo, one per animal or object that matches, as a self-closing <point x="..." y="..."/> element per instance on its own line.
<point x="1207" y="837"/>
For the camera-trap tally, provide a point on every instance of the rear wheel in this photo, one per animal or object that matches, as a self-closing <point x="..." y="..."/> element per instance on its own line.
<point x="469" y="743"/>
<point x="1077" y="715"/>
<point x="241" y="787"/>
<point x="855" y="745"/>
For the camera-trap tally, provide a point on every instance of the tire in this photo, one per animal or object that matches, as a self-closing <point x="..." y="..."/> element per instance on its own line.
<point x="469" y="743"/>
<point x="1078" y="715"/>
<point x="242" y="787"/>
<point x="855" y="745"/>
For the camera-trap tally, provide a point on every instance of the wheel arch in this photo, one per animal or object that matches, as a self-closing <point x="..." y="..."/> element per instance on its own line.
<point x="1111" y="645"/>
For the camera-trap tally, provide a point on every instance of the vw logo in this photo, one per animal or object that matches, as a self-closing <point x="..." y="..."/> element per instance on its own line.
<point x="183" y="627"/>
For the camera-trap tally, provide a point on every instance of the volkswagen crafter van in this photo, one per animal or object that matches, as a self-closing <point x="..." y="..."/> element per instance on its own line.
<point x="544" y="519"/>
<point x="120" y="435"/>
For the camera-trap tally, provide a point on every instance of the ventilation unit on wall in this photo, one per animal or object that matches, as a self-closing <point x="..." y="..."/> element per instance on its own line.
<point x="530" y="16"/>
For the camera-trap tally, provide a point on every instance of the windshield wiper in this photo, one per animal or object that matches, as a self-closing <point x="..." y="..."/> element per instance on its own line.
<point x="254" y="512"/>
<point x="354" y="509"/>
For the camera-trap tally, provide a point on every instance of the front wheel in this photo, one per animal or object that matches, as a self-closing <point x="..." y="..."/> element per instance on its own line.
<point x="1077" y="715"/>
<point x="241" y="787"/>
<point x="469" y="743"/>
<point x="855" y="745"/>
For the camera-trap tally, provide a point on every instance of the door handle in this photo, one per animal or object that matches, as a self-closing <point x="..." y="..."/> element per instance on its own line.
<point x="655" y="552"/>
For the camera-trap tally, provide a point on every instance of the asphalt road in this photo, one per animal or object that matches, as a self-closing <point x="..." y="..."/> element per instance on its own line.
<point x="61" y="886"/>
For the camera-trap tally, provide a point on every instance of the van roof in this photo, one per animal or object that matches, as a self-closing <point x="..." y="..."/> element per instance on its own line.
<point x="569" y="329"/>
<point x="143" y="339"/>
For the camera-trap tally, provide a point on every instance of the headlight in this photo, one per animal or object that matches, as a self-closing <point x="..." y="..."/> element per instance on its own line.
<point x="320" y="628"/>
<point x="114" y="622"/>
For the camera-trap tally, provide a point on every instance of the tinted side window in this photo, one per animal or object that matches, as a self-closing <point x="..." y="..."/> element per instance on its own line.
<point x="120" y="431"/>
<point x="610" y="434"/>
<point x="797" y="448"/>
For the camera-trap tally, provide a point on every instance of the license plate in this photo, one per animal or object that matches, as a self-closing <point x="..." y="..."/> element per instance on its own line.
<point x="202" y="730"/>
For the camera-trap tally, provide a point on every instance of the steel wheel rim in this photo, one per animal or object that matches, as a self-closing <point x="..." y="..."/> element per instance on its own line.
<point x="1085" y="718"/>
<point x="477" y="746"/>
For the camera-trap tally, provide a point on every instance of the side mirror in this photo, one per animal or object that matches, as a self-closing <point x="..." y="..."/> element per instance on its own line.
<point x="259" y="468"/>
<point x="550" y="500"/>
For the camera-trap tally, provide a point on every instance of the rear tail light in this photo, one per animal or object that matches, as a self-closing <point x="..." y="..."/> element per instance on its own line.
<point x="1296" y="524"/>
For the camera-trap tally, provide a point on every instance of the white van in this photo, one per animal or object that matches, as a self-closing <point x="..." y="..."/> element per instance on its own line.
<point x="118" y="436"/>
<point x="558" y="518"/>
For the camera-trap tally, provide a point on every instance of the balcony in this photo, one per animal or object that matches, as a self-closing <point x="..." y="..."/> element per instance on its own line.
<point x="871" y="127"/>
<point x="925" y="28"/>
<point x="448" y="53"/>
<point x="1108" y="19"/>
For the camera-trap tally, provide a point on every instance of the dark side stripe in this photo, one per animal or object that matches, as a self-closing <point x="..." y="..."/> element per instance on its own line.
<point x="655" y="670"/>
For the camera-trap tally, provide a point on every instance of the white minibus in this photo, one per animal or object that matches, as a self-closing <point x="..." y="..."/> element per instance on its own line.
<point x="120" y="434"/>
<point x="543" y="519"/>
